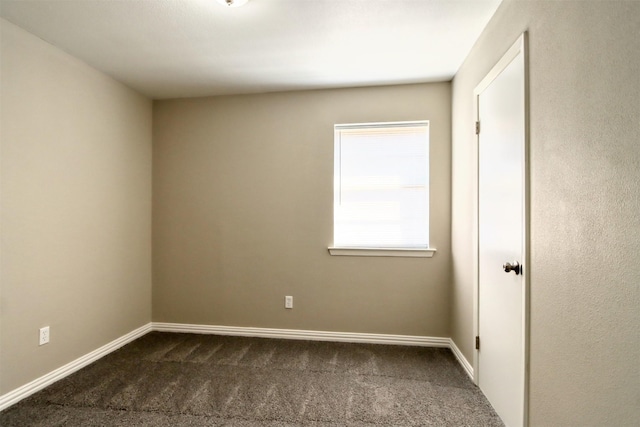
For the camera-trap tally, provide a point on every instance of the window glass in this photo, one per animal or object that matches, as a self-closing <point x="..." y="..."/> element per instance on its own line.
<point x="381" y="185"/>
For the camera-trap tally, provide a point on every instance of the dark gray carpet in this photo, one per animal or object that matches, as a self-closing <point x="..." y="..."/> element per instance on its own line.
<point x="165" y="379"/>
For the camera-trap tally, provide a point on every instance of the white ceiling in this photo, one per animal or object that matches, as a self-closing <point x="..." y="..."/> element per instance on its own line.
<point x="185" y="48"/>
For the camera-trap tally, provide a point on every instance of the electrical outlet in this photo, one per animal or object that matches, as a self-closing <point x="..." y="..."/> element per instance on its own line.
<point x="44" y="335"/>
<point x="288" y="302"/>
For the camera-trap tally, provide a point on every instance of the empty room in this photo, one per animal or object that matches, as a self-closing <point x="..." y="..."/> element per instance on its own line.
<point x="319" y="212"/>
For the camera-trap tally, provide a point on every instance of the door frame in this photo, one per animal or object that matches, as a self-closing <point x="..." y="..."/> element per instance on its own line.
<point x="520" y="46"/>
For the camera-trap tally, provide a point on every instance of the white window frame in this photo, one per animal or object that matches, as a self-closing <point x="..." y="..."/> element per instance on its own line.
<point x="413" y="252"/>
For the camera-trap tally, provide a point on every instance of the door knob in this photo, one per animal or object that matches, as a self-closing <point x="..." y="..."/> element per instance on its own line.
<point x="515" y="267"/>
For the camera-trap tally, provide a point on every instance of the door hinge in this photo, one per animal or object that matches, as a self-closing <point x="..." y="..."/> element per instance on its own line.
<point x="477" y="343"/>
<point x="477" y="128"/>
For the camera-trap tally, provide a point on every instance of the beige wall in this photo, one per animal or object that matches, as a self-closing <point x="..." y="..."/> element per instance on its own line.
<point x="585" y="222"/>
<point x="76" y="208"/>
<point x="243" y="203"/>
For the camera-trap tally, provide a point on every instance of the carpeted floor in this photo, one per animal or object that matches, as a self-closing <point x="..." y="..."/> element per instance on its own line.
<point x="165" y="379"/>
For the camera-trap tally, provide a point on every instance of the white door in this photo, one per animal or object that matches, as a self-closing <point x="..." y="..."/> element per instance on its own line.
<point x="501" y="238"/>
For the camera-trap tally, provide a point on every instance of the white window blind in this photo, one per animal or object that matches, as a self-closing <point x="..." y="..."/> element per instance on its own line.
<point x="381" y="185"/>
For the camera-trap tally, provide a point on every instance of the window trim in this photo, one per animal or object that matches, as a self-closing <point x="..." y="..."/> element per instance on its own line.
<point x="410" y="252"/>
<point x="386" y="252"/>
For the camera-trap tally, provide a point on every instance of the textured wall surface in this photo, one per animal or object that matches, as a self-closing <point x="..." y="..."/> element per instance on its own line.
<point x="76" y="208"/>
<point x="585" y="187"/>
<point x="243" y="206"/>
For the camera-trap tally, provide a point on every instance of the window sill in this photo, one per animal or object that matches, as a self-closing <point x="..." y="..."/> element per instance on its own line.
<point x="388" y="252"/>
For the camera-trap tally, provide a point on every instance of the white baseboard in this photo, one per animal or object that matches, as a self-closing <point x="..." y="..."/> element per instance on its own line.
<point x="298" y="334"/>
<point x="461" y="359"/>
<point x="38" y="384"/>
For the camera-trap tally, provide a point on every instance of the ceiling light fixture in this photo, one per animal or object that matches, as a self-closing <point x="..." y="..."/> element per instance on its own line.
<point x="233" y="3"/>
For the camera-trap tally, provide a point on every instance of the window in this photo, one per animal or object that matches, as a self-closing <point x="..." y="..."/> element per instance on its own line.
<point x="381" y="189"/>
